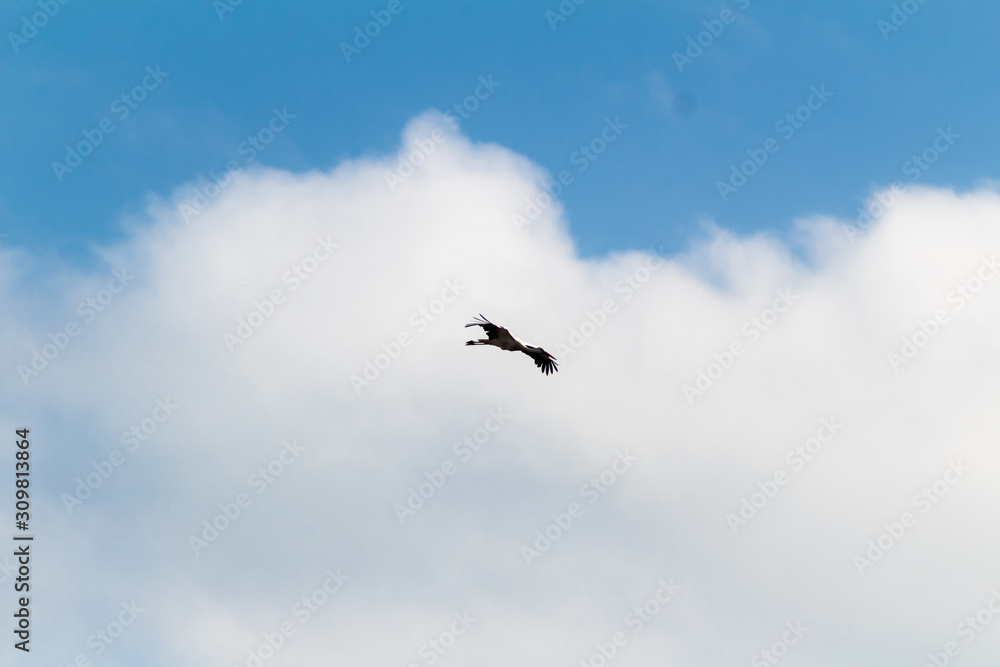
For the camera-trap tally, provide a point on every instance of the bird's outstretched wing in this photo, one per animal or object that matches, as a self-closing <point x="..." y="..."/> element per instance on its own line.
<point x="542" y="359"/>
<point x="490" y="328"/>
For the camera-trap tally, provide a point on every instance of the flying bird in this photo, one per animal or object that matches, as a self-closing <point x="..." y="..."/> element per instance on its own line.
<point x="501" y="338"/>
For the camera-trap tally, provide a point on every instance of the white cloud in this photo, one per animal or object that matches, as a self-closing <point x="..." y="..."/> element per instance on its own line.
<point x="450" y="224"/>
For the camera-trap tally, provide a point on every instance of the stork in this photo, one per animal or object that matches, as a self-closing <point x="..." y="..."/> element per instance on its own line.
<point x="500" y="337"/>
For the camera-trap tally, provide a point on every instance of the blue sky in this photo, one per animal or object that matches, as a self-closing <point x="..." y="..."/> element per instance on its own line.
<point x="557" y="86"/>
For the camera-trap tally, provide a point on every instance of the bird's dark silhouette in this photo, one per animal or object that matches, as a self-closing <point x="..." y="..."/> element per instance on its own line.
<point x="500" y="337"/>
